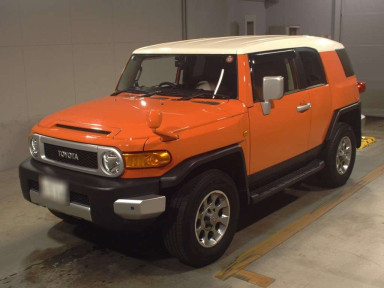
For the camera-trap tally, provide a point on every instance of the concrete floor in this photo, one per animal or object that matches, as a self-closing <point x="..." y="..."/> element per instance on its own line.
<point x="343" y="248"/>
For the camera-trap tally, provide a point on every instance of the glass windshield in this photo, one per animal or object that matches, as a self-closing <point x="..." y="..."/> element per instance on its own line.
<point x="189" y="76"/>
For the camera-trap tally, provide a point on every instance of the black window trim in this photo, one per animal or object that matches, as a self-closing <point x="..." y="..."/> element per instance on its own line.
<point x="268" y="52"/>
<point x="314" y="86"/>
<point x="298" y="65"/>
<point x="347" y="65"/>
<point x="302" y="71"/>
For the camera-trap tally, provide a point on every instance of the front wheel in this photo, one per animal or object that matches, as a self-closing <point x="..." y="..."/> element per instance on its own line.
<point x="202" y="218"/>
<point x="339" y="157"/>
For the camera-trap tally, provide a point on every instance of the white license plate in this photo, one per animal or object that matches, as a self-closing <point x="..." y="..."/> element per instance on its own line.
<point x="54" y="190"/>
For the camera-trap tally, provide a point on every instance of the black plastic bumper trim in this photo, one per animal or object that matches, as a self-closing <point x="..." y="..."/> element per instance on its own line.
<point x="102" y="192"/>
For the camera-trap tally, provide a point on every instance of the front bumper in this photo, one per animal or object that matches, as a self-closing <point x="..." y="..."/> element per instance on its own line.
<point x="118" y="203"/>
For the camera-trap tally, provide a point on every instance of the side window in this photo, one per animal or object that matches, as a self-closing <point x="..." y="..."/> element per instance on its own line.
<point x="275" y="63"/>
<point x="313" y="71"/>
<point x="344" y="59"/>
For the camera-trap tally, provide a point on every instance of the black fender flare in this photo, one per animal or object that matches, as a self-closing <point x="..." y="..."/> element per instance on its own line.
<point x="349" y="114"/>
<point x="179" y="173"/>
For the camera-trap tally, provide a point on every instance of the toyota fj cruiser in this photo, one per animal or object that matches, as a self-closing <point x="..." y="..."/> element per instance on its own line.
<point x="194" y="131"/>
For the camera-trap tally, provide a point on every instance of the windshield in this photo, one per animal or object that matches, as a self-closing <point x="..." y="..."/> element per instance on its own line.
<point x="189" y="76"/>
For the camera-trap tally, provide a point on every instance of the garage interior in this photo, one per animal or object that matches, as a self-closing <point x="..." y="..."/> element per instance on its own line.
<point x="57" y="53"/>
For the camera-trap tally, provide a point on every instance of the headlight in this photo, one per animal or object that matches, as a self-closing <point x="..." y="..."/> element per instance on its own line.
<point x="150" y="159"/>
<point x="111" y="163"/>
<point x="34" y="146"/>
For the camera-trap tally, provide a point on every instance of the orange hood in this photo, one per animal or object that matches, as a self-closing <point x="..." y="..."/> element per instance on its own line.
<point x="126" y="117"/>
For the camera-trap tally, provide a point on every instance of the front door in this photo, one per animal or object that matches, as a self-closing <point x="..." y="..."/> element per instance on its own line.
<point x="282" y="134"/>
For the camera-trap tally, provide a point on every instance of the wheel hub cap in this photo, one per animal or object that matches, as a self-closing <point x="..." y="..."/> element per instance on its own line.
<point x="343" y="156"/>
<point x="212" y="219"/>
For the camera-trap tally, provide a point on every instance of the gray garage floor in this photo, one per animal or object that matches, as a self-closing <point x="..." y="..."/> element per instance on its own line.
<point x="343" y="248"/>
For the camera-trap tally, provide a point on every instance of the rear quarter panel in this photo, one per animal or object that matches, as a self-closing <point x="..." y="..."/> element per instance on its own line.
<point x="344" y="91"/>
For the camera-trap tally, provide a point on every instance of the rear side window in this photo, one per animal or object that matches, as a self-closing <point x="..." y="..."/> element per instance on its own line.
<point x="275" y="63"/>
<point x="313" y="71"/>
<point x="344" y="59"/>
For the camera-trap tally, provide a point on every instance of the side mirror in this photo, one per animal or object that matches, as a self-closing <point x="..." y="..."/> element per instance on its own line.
<point x="273" y="89"/>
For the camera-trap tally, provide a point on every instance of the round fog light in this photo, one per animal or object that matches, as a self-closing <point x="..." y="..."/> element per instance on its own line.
<point x="111" y="163"/>
<point x="34" y="146"/>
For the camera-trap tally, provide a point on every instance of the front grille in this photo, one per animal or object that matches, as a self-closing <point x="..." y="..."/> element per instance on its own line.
<point x="79" y="198"/>
<point x="67" y="155"/>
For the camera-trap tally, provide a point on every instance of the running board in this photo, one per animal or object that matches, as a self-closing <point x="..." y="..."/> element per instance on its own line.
<point x="286" y="181"/>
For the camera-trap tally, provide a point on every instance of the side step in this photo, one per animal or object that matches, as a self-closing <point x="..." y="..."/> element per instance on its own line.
<point x="286" y="181"/>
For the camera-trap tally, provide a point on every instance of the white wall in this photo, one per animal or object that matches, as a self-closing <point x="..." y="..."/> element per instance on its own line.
<point x="361" y="32"/>
<point x="314" y="16"/>
<point x="207" y="18"/>
<point x="214" y="18"/>
<point x="239" y="8"/>
<point x="56" y="53"/>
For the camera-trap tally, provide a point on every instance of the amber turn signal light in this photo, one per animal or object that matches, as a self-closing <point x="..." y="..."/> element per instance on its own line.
<point x="151" y="159"/>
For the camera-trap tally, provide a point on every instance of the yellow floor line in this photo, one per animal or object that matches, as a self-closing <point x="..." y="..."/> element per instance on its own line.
<point x="254" y="253"/>
<point x="254" y="278"/>
<point x="366" y="141"/>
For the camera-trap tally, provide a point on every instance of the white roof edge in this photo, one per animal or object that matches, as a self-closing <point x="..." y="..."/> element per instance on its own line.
<point x="240" y="45"/>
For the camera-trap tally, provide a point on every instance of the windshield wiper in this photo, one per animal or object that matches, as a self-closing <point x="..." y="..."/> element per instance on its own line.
<point x="129" y="90"/>
<point x="146" y="93"/>
<point x="162" y="93"/>
<point x="149" y="94"/>
<point x="206" y="94"/>
<point x="201" y="95"/>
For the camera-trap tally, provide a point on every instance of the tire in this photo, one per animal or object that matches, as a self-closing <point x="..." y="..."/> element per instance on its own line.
<point x="339" y="157"/>
<point x="194" y="242"/>
<point x="65" y="217"/>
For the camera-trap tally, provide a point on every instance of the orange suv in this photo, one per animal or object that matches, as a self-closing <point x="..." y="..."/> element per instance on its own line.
<point x="196" y="130"/>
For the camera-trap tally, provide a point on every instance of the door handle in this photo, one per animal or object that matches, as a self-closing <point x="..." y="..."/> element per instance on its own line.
<point x="304" y="107"/>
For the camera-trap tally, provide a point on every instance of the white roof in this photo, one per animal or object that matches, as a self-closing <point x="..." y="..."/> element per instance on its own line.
<point x="240" y="45"/>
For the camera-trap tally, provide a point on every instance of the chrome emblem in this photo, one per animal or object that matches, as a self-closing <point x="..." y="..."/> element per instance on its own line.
<point x="68" y="155"/>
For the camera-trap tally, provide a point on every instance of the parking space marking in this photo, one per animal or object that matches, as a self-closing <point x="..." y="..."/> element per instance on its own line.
<point x="254" y="278"/>
<point x="254" y="253"/>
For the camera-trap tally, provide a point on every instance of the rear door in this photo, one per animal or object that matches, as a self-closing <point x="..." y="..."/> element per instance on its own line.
<point x="284" y="133"/>
<point x="313" y="80"/>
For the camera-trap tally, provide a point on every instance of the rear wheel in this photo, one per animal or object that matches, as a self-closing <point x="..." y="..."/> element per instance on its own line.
<point x="202" y="218"/>
<point x="339" y="157"/>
